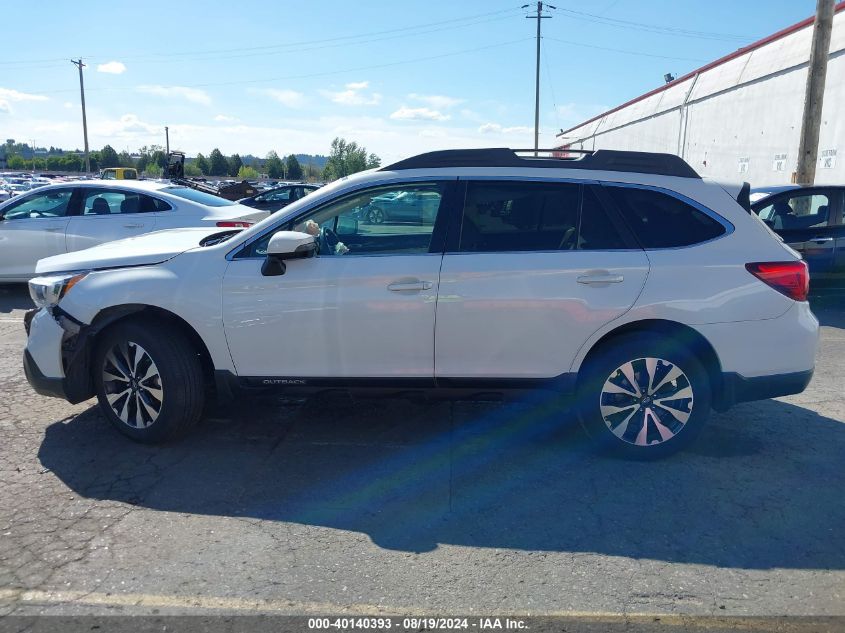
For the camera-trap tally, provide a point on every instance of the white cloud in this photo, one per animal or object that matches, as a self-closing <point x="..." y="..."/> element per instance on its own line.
<point x="181" y="92"/>
<point x="128" y="126"/>
<point x="417" y="114"/>
<point x="289" y="98"/>
<point x="495" y="128"/>
<point x="226" y="119"/>
<point x="112" y="68"/>
<point x="353" y="95"/>
<point x="438" y="102"/>
<point x="7" y="96"/>
<point x="68" y="105"/>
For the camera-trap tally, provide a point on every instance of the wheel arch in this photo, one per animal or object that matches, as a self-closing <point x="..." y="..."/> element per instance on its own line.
<point x="114" y="315"/>
<point x="684" y="335"/>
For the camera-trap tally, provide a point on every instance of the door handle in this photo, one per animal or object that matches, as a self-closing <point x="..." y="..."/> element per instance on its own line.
<point x="133" y="226"/>
<point x="821" y="240"/>
<point x="409" y="285"/>
<point x="605" y="278"/>
<point x="53" y="229"/>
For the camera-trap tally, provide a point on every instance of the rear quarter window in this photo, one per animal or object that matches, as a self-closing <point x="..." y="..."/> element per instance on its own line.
<point x="659" y="220"/>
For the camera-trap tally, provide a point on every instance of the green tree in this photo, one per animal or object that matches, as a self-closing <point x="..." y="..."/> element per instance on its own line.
<point x="125" y="159"/>
<point x="294" y="169"/>
<point x="235" y="164"/>
<point x="217" y="164"/>
<point x="347" y="158"/>
<point x="247" y="173"/>
<point x="274" y="166"/>
<point x="141" y="165"/>
<point x="192" y="171"/>
<point x="202" y="163"/>
<point x="17" y="162"/>
<point x="108" y="157"/>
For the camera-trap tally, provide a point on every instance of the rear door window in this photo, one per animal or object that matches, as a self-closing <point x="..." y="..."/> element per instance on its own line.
<point x="659" y="220"/>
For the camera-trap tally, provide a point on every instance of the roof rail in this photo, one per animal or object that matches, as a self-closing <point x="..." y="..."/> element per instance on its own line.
<point x="599" y="160"/>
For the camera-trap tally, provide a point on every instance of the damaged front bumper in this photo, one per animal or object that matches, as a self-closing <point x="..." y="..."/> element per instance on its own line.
<point x="57" y="356"/>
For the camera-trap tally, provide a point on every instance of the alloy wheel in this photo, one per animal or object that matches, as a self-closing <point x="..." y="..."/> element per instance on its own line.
<point x="646" y="401"/>
<point x="132" y="385"/>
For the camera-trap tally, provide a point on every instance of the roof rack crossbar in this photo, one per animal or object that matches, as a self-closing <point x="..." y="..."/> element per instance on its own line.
<point x="599" y="160"/>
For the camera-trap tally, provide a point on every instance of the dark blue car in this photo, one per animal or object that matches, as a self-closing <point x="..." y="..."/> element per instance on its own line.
<point x="809" y="219"/>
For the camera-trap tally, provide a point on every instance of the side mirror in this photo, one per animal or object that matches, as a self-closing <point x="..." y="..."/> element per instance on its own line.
<point x="287" y="245"/>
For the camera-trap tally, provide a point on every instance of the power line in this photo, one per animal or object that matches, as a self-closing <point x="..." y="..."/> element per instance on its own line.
<point x="325" y="73"/>
<point x="168" y="56"/>
<point x="653" y="28"/>
<point x="627" y="52"/>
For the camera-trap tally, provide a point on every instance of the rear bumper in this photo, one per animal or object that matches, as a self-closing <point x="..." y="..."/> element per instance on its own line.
<point x="737" y="388"/>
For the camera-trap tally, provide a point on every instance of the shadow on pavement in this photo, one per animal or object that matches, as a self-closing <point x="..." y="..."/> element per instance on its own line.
<point x="762" y="488"/>
<point x="14" y="297"/>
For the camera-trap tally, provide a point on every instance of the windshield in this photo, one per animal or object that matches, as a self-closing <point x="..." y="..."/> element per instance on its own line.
<point x="198" y="196"/>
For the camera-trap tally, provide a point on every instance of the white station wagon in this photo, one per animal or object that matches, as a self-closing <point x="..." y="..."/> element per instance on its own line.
<point x="642" y="294"/>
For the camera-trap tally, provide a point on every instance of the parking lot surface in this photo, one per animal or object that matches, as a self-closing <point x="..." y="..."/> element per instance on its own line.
<point x="330" y="506"/>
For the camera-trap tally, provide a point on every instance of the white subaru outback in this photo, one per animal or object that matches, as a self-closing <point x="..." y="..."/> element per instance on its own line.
<point x="621" y="279"/>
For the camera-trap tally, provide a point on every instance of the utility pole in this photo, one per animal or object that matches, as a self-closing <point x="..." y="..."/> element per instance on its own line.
<point x="167" y="138"/>
<point x="808" y="148"/>
<point x="80" y="66"/>
<point x="539" y="17"/>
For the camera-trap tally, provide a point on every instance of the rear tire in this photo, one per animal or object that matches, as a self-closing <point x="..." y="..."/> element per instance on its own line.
<point x="643" y="396"/>
<point x="149" y="380"/>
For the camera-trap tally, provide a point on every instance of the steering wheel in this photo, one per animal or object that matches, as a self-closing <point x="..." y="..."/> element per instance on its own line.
<point x="328" y="240"/>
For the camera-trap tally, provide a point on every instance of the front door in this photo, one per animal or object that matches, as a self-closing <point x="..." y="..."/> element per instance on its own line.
<point x="537" y="268"/>
<point x="32" y="228"/>
<point x="363" y="307"/>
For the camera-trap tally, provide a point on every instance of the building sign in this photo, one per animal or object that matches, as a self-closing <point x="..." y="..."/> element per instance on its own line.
<point x="779" y="163"/>
<point x="744" y="161"/>
<point x="827" y="159"/>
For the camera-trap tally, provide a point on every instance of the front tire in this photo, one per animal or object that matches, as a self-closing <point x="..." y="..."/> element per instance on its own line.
<point x="149" y="380"/>
<point x="643" y="396"/>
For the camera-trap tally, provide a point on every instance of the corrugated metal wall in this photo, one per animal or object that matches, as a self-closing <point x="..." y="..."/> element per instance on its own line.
<point x="740" y="120"/>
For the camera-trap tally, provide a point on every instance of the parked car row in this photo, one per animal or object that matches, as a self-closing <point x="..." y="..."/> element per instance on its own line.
<point x="636" y="294"/>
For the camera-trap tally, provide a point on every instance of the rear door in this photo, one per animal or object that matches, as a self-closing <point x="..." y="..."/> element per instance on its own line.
<point x="532" y="270"/>
<point x="33" y="227"/>
<point x="810" y="221"/>
<point x="108" y="214"/>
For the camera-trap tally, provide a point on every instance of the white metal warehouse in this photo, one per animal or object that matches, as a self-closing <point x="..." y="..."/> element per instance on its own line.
<point x="737" y="118"/>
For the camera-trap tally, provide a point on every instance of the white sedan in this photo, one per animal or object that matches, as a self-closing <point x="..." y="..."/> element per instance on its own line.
<point x="70" y="216"/>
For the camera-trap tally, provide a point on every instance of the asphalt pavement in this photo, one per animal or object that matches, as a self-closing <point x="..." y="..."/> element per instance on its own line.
<point x="333" y="506"/>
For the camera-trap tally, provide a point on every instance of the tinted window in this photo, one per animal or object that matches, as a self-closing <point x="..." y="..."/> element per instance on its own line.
<point x="519" y="216"/>
<point x="48" y="204"/>
<point x="798" y="211"/>
<point x="662" y="221"/>
<point x="198" y="196"/>
<point x="597" y="231"/>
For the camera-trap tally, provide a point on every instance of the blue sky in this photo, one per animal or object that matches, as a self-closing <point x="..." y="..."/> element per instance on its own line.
<point x="397" y="77"/>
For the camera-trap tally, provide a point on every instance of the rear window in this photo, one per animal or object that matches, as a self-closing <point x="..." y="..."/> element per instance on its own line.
<point x="659" y="220"/>
<point x="198" y="196"/>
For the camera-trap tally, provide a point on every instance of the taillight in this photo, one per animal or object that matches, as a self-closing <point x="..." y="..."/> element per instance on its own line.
<point x="789" y="278"/>
<point x="229" y="224"/>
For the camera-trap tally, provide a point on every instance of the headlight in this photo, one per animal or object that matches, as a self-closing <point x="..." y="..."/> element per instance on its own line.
<point x="48" y="291"/>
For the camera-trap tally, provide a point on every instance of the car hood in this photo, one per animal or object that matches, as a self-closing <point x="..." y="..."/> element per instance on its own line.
<point x="147" y="249"/>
